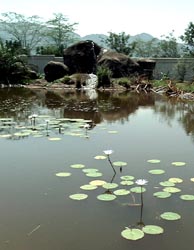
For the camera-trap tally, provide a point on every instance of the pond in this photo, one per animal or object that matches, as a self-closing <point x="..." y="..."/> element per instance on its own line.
<point x="45" y="134"/>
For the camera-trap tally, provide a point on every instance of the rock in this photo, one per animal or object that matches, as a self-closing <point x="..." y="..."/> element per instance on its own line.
<point x="82" y="57"/>
<point x="55" y="70"/>
<point x="146" y="67"/>
<point x="120" y="64"/>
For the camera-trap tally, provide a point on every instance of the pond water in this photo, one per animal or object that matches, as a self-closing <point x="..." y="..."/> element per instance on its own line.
<point x="71" y="128"/>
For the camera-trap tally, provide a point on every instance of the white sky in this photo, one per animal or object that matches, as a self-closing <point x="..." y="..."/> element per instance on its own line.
<point x="157" y="17"/>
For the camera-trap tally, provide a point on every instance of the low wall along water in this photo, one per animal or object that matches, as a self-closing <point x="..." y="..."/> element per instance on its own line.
<point x="164" y="66"/>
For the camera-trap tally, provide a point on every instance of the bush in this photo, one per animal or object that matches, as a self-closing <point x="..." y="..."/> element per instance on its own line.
<point x="104" y="76"/>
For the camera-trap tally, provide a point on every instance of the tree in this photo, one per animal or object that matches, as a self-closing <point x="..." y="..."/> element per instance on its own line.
<point x="188" y="38"/>
<point x="146" y="48"/>
<point x="60" y="31"/>
<point x="120" y="43"/>
<point x="26" y="30"/>
<point x="168" y="46"/>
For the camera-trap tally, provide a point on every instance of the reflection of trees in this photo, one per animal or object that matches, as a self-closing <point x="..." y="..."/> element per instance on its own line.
<point x="16" y="102"/>
<point x="182" y="111"/>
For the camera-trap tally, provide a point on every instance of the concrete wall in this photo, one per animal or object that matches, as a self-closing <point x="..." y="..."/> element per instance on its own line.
<point x="166" y="66"/>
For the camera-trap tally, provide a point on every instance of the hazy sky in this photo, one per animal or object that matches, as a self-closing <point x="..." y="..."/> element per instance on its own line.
<point x="156" y="17"/>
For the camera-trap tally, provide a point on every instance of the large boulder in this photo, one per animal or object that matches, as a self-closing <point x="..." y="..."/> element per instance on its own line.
<point x="82" y="57"/>
<point x="120" y="64"/>
<point x="55" y="70"/>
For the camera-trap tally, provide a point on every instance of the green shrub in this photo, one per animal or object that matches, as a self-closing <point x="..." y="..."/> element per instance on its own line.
<point x="104" y="76"/>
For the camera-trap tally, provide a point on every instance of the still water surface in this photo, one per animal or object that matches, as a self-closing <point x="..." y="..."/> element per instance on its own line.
<point x="36" y="212"/>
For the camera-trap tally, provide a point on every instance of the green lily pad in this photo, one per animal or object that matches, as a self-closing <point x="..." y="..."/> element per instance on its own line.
<point x="156" y="171"/>
<point x="170" y="216"/>
<point x="152" y="229"/>
<point x="153" y="161"/>
<point x="192" y="179"/>
<point x="94" y="174"/>
<point x="138" y="190"/>
<point x="162" y="195"/>
<point x="100" y="157"/>
<point x="110" y="185"/>
<point x="175" y="180"/>
<point x="112" y="132"/>
<point x="121" y="192"/>
<point x="106" y="197"/>
<point x="187" y="197"/>
<point x="54" y="138"/>
<point x="90" y="170"/>
<point x="77" y="166"/>
<point x="97" y="182"/>
<point x="119" y="163"/>
<point x="127" y="183"/>
<point x="178" y="163"/>
<point x="132" y="234"/>
<point x="88" y="187"/>
<point x="171" y="189"/>
<point x="78" y="196"/>
<point x="127" y="177"/>
<point x="167" y="184"/>
<point x="63" y="174"/>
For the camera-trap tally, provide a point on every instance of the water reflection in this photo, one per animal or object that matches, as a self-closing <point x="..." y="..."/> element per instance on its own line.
<point x="101" y="106"/>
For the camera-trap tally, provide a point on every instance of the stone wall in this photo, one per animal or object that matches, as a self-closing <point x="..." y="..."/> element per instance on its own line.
<point x="167" y="66"/>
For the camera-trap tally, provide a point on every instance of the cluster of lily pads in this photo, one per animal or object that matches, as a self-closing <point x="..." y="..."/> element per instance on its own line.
<point x="44" y="125"/>
<point x="113" y="191"/>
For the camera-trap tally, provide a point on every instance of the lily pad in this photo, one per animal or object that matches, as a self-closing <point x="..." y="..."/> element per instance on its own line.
<point x="88" y="187"/>
<point x="127" y="177"/>
<point x="54" y="138"/>
<point x="121" y="192"/>
<point x="78" y="196"/>
<point x="175" y="180"/>
<point x="100" y="157"/>
<point x="153" y="161"/>
<point x="132" y="234"/>
<point x="110" y="185"/>
<point x="170" y="216"/>
<point x="156" y="171"/>
<point x="178" y="163"/>
<point x="94" y="174"/>
<point x="90" y="170"/>
<point x="162" y="195"/>
<point x="126" y="183"/>
<point x="187" y="197"/>
<point x="138" y="190"/>
<point x="192" y="179"/>
<point x="77" y="166"/>
<point x="171" y="189"/>
<point x="63" y="174"/>
<point x="119" y="163"/>
<point x="112" y="132"/>
<point x="97" y="182"/>
<point x="106" y="197"/>
<point x="167" y="184"/>
<point x="152" y="229"/>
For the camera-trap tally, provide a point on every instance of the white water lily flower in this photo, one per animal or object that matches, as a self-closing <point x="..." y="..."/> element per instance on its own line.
<point x="34" y="115"/>
<point x="108" y="152"/>
<point x="141" y="182"/>
<point x="86" y="126"/>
